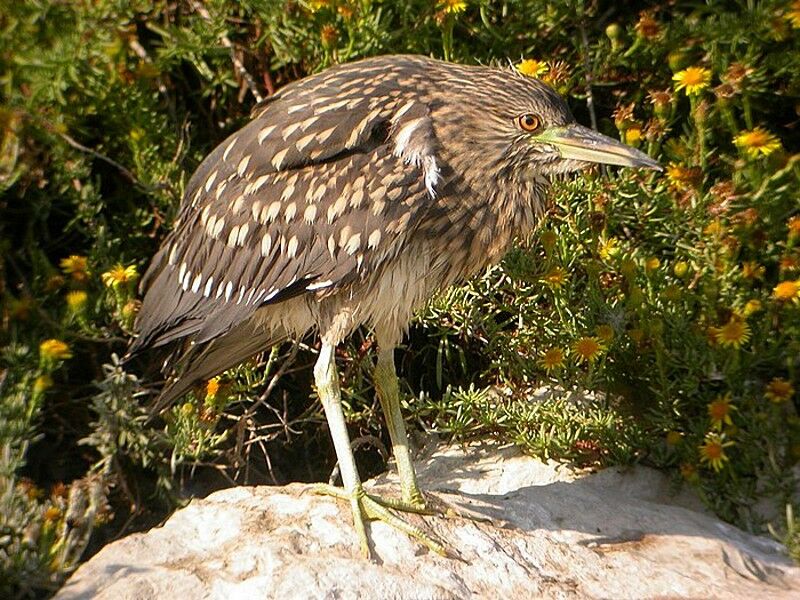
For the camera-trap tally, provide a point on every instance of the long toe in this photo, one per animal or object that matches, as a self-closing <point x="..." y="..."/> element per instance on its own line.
<point x="366" y="507"/>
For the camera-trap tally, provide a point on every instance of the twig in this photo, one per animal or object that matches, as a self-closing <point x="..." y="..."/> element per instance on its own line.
<point x="238" y="65"/>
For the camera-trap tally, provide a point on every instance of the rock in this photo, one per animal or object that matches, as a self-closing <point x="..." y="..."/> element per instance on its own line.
<point x="618" y="533"/>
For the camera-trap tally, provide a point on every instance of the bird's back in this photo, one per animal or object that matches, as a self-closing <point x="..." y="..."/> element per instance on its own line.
<point x="336" y="195"/>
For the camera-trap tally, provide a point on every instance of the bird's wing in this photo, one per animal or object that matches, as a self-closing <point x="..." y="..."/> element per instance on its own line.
<point x="313" y="193"/>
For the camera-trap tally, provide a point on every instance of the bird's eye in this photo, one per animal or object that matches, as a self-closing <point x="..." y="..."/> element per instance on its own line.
<point x="529" y="122"/>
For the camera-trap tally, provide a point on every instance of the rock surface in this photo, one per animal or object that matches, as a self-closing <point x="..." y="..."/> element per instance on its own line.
<point x="555" y="534"/>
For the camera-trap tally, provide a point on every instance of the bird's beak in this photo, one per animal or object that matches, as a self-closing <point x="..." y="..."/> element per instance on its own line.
<point x="581" y="143"/>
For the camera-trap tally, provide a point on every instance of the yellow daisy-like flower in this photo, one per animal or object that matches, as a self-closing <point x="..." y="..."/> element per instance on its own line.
<point x="786" y="291"/>
<point x="793" y="14"/>
<point x="453" y="7"/>
<point x="53" y="349"/>
<point x="120" y="275"/>
<point x="76" y="267"/>
<point x="651" y="264"/>
<point x="719" y="411"/>
<point x="793" y="224"/>
<point x="555" y="277"/>
<point x="733" y="334"/>
<point x="212" y="387"/>
<point x="779" y="390"/>
<point x="552" y="359"/>
<point x="714" y="229"/>
<point x="692" y="80"/>
<point x="532" y="67"/>
<point x="42" y="383"/>
<point x="633" y="135"/>
<point x="757" y="142"/>
<point x="751" y="307"/>
<point x="76" y="300"/>
<point x="752" y="270"/>
<point x="712" y="450"/>
<point x="609" y="248"/>
<point x="587" y="349"/>
<point x="605" y="332"/>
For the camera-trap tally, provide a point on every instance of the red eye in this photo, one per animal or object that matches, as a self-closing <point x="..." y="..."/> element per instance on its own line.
<point x="529" y="122"/>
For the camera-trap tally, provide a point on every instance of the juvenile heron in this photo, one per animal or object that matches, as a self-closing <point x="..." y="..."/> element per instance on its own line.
<point x="349" y="199"/>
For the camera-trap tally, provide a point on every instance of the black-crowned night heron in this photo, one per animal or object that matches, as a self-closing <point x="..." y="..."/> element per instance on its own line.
<point x="349" y="199"/>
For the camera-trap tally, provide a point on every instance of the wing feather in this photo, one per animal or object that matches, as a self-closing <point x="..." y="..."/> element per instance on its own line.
<point x="320" y="188"/>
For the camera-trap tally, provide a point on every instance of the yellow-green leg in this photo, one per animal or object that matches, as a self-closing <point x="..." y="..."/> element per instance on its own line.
<point x="386" y="385"/>
<point x="363" y="506"/>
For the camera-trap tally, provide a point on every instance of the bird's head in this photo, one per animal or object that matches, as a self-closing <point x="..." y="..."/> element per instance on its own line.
<point x="520" y="123"/>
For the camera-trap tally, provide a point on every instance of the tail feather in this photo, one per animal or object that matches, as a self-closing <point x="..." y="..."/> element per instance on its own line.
<point x="202" y="362"/>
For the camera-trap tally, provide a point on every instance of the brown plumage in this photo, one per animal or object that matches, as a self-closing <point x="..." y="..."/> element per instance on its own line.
<point x="349" y="199"/>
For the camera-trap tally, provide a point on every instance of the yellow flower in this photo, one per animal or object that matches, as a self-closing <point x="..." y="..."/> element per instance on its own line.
<point x="587" y="349"/>
<point x="532" y="67"/>
<point x="712" y="450"/>
<point x="120" y="275"/>
<point x="555" y="277"/>
<point x="212" y="387"/>
<point x="681" y="268"/>
<point x="552" y="359"/>
<point x="52" y="349"/>
<point x="76" y="300"/>
<point x="609" y="248"/>
<point x="692" y="80"/>
<point x="779" y="390"/>
<point x="453" y="6"/>
<point x="674" y="438"/>
<point x="757" y="142"/>
<point x="719" y="411"/>
<point x="42" y="383"/>
<point x="793" y="225"/>
<point x="733" y="334"/>
<point x="605" y="332"/>
<point x="714" y="228"/>
<point x="651" y="264"/>
<point x="793" y="14"/>
<point x="633" y="135"/>
<point x="752" y="270"/>
<point x="751" y="307"/>
<point x="786" y="291"/>
<point x="76" y="266"/>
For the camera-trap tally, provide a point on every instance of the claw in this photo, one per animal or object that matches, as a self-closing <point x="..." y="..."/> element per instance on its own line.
<point x="373" y="508"/>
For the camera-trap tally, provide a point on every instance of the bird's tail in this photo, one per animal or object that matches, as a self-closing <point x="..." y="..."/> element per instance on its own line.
<point x="193" y="364"/>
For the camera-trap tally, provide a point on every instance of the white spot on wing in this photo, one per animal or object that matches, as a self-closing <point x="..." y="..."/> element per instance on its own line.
<point x="207" y="289"/>
<point x="210" y="180"/>
<point x="243" y="165"/>
<point x="319" y="285"/>
<point x="228" y="291"/>
<point x="264" y="133"/>
<point x="229" y="148"/>
<point x="277" y="160"/>
<point x="196" y="283"/>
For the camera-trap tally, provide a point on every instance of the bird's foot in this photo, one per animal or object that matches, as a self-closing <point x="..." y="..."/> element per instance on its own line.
<point x="366" y="507"/>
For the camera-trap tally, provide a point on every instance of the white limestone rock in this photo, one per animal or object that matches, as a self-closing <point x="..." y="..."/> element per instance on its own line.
<point x="554" y="534"/>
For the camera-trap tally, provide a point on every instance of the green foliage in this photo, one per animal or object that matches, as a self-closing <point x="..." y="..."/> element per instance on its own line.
<point x="663" y="309"/>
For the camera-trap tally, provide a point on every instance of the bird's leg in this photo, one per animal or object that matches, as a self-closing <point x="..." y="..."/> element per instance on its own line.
<point x="386" y="385"/>
<point x="364" y="507"/>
